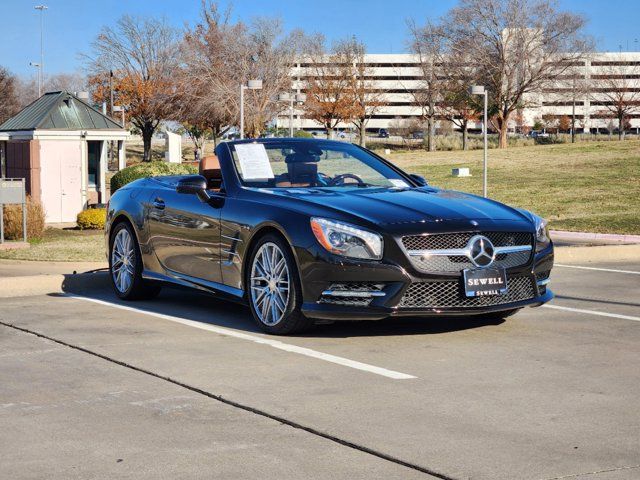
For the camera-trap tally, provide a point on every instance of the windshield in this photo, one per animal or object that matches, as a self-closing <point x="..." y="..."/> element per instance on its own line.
<point x="292" y="164"/>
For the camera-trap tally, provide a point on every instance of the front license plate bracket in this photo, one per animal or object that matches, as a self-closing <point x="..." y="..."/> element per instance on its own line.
<point x="483" y="282"/>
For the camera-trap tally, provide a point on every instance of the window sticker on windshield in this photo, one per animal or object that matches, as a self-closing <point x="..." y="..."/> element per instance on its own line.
<point x="398" y="182"/>
<point x="254" y="161"/>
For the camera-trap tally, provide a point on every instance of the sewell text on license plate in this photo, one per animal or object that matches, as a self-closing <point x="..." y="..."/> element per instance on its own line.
<point x="485" y="281"/>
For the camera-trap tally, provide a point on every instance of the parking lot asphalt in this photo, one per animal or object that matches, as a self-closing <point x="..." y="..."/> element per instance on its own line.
<point x="185" y="386"/>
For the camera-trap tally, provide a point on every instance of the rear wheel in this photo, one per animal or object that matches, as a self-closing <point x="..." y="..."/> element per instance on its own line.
<point x="273" y="288"/>
<point x="125" y="266"/>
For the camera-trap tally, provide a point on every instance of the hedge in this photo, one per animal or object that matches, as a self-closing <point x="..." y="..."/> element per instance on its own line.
<point x="12" y="219"/>
<point x="92" y="219"/>
<point x="150" y="169"/>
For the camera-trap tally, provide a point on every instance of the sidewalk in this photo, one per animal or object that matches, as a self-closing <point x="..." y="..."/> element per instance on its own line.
<point x="20" y="278"/>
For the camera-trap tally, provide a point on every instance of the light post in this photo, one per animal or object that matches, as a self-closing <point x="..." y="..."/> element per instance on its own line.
<point x="298" y="98"/>
<point x="42" y="8"/>
<point x="251" y="85"/>
<point x="119" y="108"/>
<point x="37" y="65"/>
<point x="480" y="90"/>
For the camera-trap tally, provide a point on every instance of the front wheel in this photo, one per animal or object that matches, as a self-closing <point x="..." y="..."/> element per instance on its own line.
<point x="125" y="266"/>
<point x="273" y="288"/>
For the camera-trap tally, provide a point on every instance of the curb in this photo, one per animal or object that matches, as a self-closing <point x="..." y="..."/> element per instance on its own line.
<point x="611" y="237"/>
<point x="30" y="285"/>
<point x="603" y="253"/>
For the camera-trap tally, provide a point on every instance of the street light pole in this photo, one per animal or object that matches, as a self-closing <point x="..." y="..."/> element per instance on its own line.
<point x="251" y="85"/>
<point x="242" y="87"/>
<point x="297" y="98"/>
<point x="481" y="90"/>
<point x="42" y="8"/>
<point x="486" y="148"/>
<point x="291" y="115"/>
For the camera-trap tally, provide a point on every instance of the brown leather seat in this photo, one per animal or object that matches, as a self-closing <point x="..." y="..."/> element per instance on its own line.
<point x="210" y="169"/>
<point x="302" y="171"/>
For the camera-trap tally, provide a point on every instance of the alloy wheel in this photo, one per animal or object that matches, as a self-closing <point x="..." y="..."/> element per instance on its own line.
<point x="270" y="283"/>
<point x="122" y="260"/>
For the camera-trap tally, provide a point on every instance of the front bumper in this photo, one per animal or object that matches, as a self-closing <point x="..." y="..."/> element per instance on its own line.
<point x="320" y="272"/>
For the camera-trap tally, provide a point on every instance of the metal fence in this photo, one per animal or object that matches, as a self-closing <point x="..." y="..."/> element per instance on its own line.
<point x="12" y="191"/>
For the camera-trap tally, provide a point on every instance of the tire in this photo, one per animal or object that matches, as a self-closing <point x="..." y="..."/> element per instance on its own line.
<point x="125" y="265"/>
<point x="274" y="293"/>
<point x="501" y="315"/>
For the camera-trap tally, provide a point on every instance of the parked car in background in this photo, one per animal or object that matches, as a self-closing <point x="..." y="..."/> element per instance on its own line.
<point x="538" y="134"/>
<point x="306" y="230"/>
<point x="383" y="133"/>
<point x="419" y="134"/>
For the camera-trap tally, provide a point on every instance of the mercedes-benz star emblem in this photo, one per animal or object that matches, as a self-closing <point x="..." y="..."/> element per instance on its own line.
<point x="481" y="251"/>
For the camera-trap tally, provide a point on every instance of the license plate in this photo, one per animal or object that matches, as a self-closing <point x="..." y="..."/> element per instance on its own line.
<point x="484" y="282"/>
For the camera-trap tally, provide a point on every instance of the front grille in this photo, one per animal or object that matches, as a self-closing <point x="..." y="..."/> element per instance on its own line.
<point x="445" y="241"/>
<point x="450" y="294"/>
<point x="355" y="301"/>
<point x="456" y="263"/>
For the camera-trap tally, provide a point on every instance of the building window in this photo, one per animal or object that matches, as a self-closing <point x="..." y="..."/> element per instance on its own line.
<point x="93" y="157"/>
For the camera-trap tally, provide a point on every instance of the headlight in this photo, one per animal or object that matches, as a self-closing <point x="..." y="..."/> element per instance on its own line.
<point x="347" y="240"/>
<point x="542" y="234"/>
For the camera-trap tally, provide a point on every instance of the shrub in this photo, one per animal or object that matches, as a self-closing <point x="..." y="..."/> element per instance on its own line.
<point x="92" y="219"/>
<point x="12" y="220"/>
<point x="150" y="169"/>
<point x="302" y="134"/>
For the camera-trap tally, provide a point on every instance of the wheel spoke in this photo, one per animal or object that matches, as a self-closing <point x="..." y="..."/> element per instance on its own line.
<point x="269" y="284"/>
<point x="123" y="261"/>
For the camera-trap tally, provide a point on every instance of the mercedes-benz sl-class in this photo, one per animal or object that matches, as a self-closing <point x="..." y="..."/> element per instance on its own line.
<point x="307" y="230"/>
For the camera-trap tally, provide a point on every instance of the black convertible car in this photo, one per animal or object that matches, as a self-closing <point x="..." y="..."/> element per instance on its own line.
<point x="307" y="230"/>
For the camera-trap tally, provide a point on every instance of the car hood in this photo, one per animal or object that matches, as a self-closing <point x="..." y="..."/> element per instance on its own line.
<point x="394" y="207"/>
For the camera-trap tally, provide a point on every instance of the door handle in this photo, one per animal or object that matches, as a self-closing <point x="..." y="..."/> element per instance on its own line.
<point x="158" y="203"/>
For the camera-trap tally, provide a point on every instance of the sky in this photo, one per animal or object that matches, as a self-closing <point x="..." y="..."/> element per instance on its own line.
<point x="70" y="25"/>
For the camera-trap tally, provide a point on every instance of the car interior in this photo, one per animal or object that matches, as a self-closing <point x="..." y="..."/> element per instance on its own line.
<point x="210" y="170"/>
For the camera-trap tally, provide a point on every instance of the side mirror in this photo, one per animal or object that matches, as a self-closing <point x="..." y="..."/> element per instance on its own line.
<point x="193" y="184"/>
<point x="419" y="179"/>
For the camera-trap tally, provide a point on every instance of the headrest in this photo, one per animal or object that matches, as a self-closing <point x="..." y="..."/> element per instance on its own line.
<point x="301" y="157"/>
<point x="209" y="163"/>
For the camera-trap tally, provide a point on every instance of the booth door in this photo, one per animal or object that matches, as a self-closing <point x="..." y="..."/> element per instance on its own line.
<point x="61" y="184"/>
<point x="71" y="187"/>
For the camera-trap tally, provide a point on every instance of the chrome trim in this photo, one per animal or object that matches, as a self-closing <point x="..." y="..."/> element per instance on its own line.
<point x="230" y="252"/>
<point x="354" y="293"/>
<point x="194" y="282"/>
<point x="231" y="238"/>
<point x="466" y="252"/>
<point x="542" y="283"/>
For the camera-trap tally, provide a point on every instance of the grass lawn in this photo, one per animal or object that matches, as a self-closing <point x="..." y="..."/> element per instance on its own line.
<point x="591" y="187"/>
<point x="63" y="246"/>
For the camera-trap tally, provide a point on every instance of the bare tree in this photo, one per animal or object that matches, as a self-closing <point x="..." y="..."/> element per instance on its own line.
<point x="329" y="85"/>
<point x="9" y="101"/>
<point x="142" y="54"/>
<point x="70" y="82"/>
<point x="617" y="90"/>
<point x="517" y="47"/>
<point x="428" y="43"/>
<point x="220" y="56"/>
<point x="366" y="99"/>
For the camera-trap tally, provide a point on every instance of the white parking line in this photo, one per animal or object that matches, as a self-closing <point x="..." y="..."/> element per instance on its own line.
<point x="593" y="312"/>
<point x="256" y="339"/>
<point x="633" y="272"/>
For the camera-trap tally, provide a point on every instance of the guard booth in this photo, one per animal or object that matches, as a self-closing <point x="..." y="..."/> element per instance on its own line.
<point x="12" y="191"/>
<point x="59" y="144"/>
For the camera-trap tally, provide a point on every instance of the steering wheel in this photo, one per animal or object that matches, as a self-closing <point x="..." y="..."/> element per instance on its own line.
<point x="339" y="179"/>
